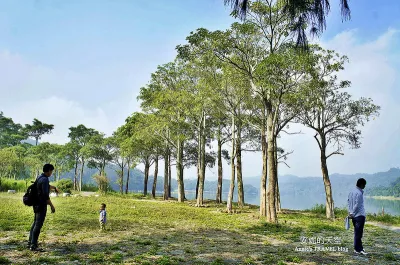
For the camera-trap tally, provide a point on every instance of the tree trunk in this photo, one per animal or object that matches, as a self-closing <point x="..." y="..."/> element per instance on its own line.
<point x="146" y="175"/>
<point x="263" y="184"/>
<point x="219" y="153"/>
<point x="121" y="185"/>
<point x="198" y="161"/>
<point x="239" y="166"/>
<point x="81" y="175"/>
<point x="179" y="171"/>
<point x="76" y="176"/>
<point x="153" y="190"/>
<point x="202" y="164"/>
<point x="330" y="213"/>
<point x="278" y="196"/>
<point x="233" y="173"/>
<point x="127" y="177"/>
<point x="169" y="176"/>
<point x="271" y="209"/>
<point x="165" y="196"/>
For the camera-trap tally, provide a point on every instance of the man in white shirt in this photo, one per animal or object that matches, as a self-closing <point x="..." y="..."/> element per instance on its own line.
<point x="356" y="209"/>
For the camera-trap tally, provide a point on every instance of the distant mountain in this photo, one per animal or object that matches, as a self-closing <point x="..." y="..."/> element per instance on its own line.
<point x="392" y="190"/>
<point x="290" y="184"/>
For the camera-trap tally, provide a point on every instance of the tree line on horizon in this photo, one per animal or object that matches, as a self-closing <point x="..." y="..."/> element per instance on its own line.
<point x="238" y="89"/>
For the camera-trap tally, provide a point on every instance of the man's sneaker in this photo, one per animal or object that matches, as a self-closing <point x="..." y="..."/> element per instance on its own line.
<point x="36" y="249"/>
<point x="362" y="252"/>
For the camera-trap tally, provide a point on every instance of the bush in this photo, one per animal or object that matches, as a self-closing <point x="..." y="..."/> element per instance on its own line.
<point x="102" y="183"/>
<point x="321" y="209"/>
<point x="65" y="185"/>
<point x="11" y="184"/>
<point x="89" y="187"/>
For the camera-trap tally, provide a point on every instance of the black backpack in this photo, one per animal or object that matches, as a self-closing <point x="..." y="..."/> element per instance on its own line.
<point x="31" y="196"/>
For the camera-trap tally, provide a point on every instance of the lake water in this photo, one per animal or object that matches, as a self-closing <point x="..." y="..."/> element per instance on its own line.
<point x="302" y="202"/>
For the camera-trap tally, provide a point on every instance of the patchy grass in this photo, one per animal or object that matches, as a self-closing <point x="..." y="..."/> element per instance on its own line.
<point x="145" y="231"/>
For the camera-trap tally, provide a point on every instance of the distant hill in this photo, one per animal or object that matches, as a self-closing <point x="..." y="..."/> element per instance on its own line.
<point x="392" y="190"/>
<point x="290" y="184"/>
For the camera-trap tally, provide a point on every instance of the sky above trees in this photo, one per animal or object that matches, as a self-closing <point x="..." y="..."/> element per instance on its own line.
<point x="68" y="63"/>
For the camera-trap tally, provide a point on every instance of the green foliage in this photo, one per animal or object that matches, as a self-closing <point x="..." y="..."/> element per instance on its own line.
<point x="4" y="260"/>
<point x="321" y="209"/>
<point x="102" y="183"/>
<point x="65" y="185"/>
<point x="11" y="184"/>
<point x="117" y="258"/>
<point x="89" y="187"/>
<point x="11" y="133"/>
<point x="389" y="257"/>
<point x="387" y="218"/>
<point x="38" y="129"/>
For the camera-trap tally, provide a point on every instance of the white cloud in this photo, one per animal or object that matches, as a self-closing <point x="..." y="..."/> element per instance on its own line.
<point x="65" y="98"/>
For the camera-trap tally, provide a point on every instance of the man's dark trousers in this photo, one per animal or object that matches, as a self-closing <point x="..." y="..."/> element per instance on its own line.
<point x="40" y="214"/>
<point x="358" y="223"/>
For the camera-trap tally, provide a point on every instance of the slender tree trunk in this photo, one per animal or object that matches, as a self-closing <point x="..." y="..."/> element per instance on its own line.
<point x="183" y="182"/>
<point x="153" y="190"/>
<point x="233" y="173"/>
<point x="169" y="176"/>
<point x="179" y="171"/>
<point x="166" y="176"/>
<point x="271" y="211"/>
<point x="146" y="175"/>
<point x="278" y="196"/>
<point x="81" y="174"/>
<point x="127" y="177"/>
<point x="263" y="184"/>
<point x="330" y="213"/>
<point x="239" y="166"/>
<point x="198" y="161"/>
<point x="76" y="176"/>
<point x="219" y="153"/>
<point x="198" y="179"/>
<point x="202" y="163"/>
<point x="121" y="185"/>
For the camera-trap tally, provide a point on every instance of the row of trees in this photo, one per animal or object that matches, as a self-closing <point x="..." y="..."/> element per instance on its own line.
<point x="244" y="86"/>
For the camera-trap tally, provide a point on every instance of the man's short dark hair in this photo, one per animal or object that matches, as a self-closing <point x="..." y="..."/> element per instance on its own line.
<point x="48" y="168"/>
<point x="104" y="205"/>
<point x="361" y="182"/>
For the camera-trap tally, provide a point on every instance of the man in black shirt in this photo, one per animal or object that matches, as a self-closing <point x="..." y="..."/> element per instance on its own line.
<point x="40" y="209"/>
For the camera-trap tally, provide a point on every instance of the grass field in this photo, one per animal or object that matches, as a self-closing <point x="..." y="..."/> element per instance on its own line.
<point x="145" y="231"/>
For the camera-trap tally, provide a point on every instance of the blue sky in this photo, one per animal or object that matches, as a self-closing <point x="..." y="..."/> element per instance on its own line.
<point x="84" y="61"/>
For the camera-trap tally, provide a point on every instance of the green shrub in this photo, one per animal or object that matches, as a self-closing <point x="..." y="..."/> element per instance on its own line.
<point x="4" y="260"/>
<point x="321" y="209"/>
<point x="65" y="185"/>
<point x="89" y="187"/>
<point x="11" y="184"/>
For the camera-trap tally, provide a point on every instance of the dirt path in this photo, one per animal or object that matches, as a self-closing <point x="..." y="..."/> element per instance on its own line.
<point x="389" y="227"/>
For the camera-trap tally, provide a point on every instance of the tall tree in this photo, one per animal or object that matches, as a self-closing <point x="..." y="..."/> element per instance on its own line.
<point x="81" y="135"/>
<point x="99" y="152"/>
<point x="38" y="129"/>
<point x="11" y="133"/>
<point x="332" y="114"/>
